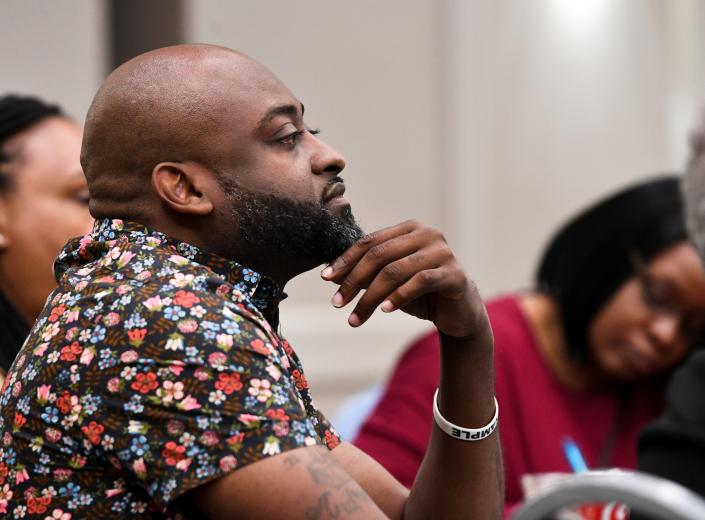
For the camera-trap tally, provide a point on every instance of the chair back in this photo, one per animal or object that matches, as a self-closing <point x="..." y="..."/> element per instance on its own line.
<point x="654" y="497"/>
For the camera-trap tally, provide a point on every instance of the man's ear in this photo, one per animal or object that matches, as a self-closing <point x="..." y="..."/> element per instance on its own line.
<point x="183" y="187"/>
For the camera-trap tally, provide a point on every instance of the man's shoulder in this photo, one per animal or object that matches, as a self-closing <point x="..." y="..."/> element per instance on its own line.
<point x="103" y="319"/>
<point x="155" y="282"/>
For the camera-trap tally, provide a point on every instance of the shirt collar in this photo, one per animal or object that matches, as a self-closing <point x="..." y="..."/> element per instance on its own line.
<point x="264" y="293"/>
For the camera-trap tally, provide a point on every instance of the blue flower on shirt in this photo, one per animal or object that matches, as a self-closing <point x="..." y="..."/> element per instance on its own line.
<point x="174" y="313"/>
<point x="250" y="276"/>
<point x="69" y="490"/>
<point x="51" y="415"/>
<point x="139" y="445"/>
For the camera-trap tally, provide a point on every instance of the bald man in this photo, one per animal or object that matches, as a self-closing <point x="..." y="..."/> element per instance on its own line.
<point x="155" y="383"/>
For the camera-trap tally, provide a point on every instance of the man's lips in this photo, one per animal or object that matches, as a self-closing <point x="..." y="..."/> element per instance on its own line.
<point x="333" y="192"/>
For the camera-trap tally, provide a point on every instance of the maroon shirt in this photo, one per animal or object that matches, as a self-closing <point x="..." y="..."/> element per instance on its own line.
<point x="536" y="412"/>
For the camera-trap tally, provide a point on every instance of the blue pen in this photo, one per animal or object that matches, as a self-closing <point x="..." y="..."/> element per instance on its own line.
<point x="573" y="456"/>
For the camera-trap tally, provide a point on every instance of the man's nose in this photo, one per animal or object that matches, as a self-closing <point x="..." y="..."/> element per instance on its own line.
<point x="326" y="159"/>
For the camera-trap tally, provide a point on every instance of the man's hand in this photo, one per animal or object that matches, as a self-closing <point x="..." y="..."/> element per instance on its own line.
<point x="409" y="267"/>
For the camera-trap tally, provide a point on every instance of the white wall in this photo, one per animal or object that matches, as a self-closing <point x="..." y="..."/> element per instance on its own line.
<point x="56" y="50"/>
<point x="551" y="104"/>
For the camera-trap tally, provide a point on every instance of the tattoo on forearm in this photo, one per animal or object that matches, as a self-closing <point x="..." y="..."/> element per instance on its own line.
<point x="325" y="471"/>
<point x="341" y="494"/>
<point x="322" y="508"/>
<point x="328" y="507"/>
<point x="291" y="460"/>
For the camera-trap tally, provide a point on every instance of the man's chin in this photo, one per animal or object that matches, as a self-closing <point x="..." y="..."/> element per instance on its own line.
<point x="341" y="210"/>
<point x="339" y="206"/>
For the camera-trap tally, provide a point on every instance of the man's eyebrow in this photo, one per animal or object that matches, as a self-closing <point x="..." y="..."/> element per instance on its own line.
<point x="280" y="110"/>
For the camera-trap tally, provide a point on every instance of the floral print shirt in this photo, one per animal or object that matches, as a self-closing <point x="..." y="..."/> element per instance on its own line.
<point x="153" y="368"/>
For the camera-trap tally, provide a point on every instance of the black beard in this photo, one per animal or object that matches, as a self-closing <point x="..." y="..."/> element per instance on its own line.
<point x="292" y="228"/>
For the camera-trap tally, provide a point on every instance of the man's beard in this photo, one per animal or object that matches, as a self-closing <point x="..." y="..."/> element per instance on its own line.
<point x="281" y="226"/>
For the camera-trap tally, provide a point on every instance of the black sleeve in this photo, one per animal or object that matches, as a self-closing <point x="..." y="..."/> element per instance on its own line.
<point x="673" y="447"/>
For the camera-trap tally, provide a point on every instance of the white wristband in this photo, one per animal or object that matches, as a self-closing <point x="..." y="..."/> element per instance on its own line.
<point x="465" y="434"/>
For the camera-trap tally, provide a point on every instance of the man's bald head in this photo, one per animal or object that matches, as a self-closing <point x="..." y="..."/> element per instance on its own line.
<point x="208" y="146"/>
<point x="172" y="104"/>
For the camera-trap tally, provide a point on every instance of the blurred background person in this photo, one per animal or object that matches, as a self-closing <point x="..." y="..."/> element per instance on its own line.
<point x="43" y="203"/>
<point x="674" y="446"/>
<point x="619" y="301"/>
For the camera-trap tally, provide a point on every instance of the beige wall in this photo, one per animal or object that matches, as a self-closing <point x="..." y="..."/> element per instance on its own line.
<point x="547" y="109"/>
<point x="56" y="50"/>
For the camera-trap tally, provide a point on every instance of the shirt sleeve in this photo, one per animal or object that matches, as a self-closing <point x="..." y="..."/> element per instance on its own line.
<point x="196" y="399"/>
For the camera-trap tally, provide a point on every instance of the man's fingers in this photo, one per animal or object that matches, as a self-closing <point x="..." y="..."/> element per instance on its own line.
<point x="417" y="286"/>
<point x="391" y="264"/>
<point x="398" y="287"/>
<point x="432" y="280"/>
<point x="384" y="260"/>
<point x="342" y="265"/>
<point x="388" y="279"/>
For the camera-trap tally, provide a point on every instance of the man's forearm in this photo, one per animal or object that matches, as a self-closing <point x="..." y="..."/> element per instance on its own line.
<point x="462" y="479"/>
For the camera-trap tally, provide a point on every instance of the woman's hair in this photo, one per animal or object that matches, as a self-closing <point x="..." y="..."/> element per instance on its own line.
<point x="594" y="253"/>
<point x="18" y="113"/>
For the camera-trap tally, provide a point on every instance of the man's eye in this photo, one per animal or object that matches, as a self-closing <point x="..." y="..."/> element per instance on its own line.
<point x="292" y="138"/>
